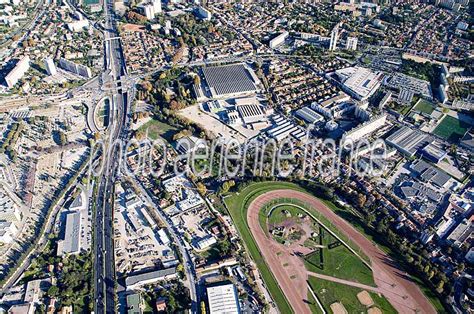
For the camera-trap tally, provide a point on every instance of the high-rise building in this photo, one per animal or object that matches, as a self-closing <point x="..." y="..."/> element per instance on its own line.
<point x="50" y="66"/>
<point x="75" y="68"/>
<point x="280" y="39"/>
<point x="18" y="71"/>
<point x="149" y="11"/>
<point x="334" y="37"/>
<point x="351" y="43"/>
<point x="157" y="6"/>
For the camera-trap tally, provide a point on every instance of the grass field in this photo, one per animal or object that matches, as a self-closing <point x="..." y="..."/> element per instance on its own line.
<point x="329" y="292"/>
<point x="451" y="128"/>
<point x="237" y="205"/>
<point x="337" y="261"/>
<point x="157" y="129"/>
<point x="424" y="106"/>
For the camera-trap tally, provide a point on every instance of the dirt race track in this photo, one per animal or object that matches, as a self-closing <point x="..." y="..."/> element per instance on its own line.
<point x="289" y="271"/>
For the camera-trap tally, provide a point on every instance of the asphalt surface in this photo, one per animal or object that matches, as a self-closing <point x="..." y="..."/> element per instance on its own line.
<point x="104" y="265"/>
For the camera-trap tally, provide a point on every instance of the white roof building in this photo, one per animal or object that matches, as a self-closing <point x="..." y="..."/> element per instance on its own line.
<point x="359" y="82"/>
<point x="71" y="243"/>
<point x="18" y="71"/>
<point x="7" y="231"/>
<point x="223" y="299"/>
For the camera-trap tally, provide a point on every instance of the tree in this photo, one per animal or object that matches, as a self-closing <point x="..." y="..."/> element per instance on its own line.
<point x="53" y="291"/>
<point x="224" y="247"/>
<point x="201" y="188"/>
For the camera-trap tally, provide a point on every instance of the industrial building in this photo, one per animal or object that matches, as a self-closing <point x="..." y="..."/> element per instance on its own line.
<point x="308" y="115"/>
<point x="407" y="141"/>
<point x="434" y="152"/>
<point x="284" y="128"/>
<point x="206" y="242"/>
<point x="223" y="299"/>
<point x="279" y="40"/>
<point x="135" y="281"/>
<point x="359" y="82"/>
<point x="71" y="242"/>
<point x="428" y="173"/>
<point x="75" y="68"/>
<point x="18" y="71"/>
<point x="251" y="113"/>
<point x="229" y="80"/>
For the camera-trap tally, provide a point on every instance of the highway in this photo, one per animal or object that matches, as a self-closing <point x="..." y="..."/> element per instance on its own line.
<point x="104" y="265"/>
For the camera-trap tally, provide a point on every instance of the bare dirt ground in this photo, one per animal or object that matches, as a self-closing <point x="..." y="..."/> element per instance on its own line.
<point x="291" y="275"/>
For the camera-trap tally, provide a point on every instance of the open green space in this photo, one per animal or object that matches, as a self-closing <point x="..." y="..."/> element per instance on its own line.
<point x="329" y="292"/>
<point x="279" y="214"/>
<point x="451" y="128"/>
<point x="237" y="205"/>
<point x="424" y="106"/>
<point x="335" y="259"/>
<point x="157" y="129"/>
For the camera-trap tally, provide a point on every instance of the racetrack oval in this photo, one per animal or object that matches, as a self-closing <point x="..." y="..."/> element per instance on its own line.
<point x="291" y="275"/>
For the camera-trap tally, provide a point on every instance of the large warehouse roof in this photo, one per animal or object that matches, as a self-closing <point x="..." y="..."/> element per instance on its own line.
<point x="229" y="79"/>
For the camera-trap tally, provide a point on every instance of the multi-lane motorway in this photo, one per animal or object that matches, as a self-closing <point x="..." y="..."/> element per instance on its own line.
<point x="114" y="70"/>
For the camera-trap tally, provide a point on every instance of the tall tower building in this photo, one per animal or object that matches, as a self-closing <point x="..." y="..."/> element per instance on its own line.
<point x="157" y="6"/>
<point x="50" y="66"/>
<point x="351" y="43"/>
<point x="334" y="38"/>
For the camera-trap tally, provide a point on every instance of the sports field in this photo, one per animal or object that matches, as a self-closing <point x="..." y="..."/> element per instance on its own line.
<point x="451" y="128"/>
<point x="424" y="106"/>
<point x="330" y="257"/>
<point x="282" y="268"/>
<point x="329" y="292"/>
<point x="237" y="205"/>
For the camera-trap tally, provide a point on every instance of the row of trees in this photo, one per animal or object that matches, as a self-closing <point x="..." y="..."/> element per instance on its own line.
<point x="407" y="248"/>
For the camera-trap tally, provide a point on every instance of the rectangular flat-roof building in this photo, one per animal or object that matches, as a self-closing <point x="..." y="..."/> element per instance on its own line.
<point x="223" y="299"/>
<point x="359" y="82"/>
<point x="18" y="71"/>
<point x="229" y="80"/>
<point x="251" y="113"/>
<point x="280" y="39"/>
<point x="135" y="281"/>
<point x="407" y="141"/>
<point x="416" y="86"/>
<point x="71" y="242"/>
<point x="309" y="115"/>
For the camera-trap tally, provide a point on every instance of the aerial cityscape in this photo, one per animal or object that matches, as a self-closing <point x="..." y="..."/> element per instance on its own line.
<point x="236" y="156"/>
